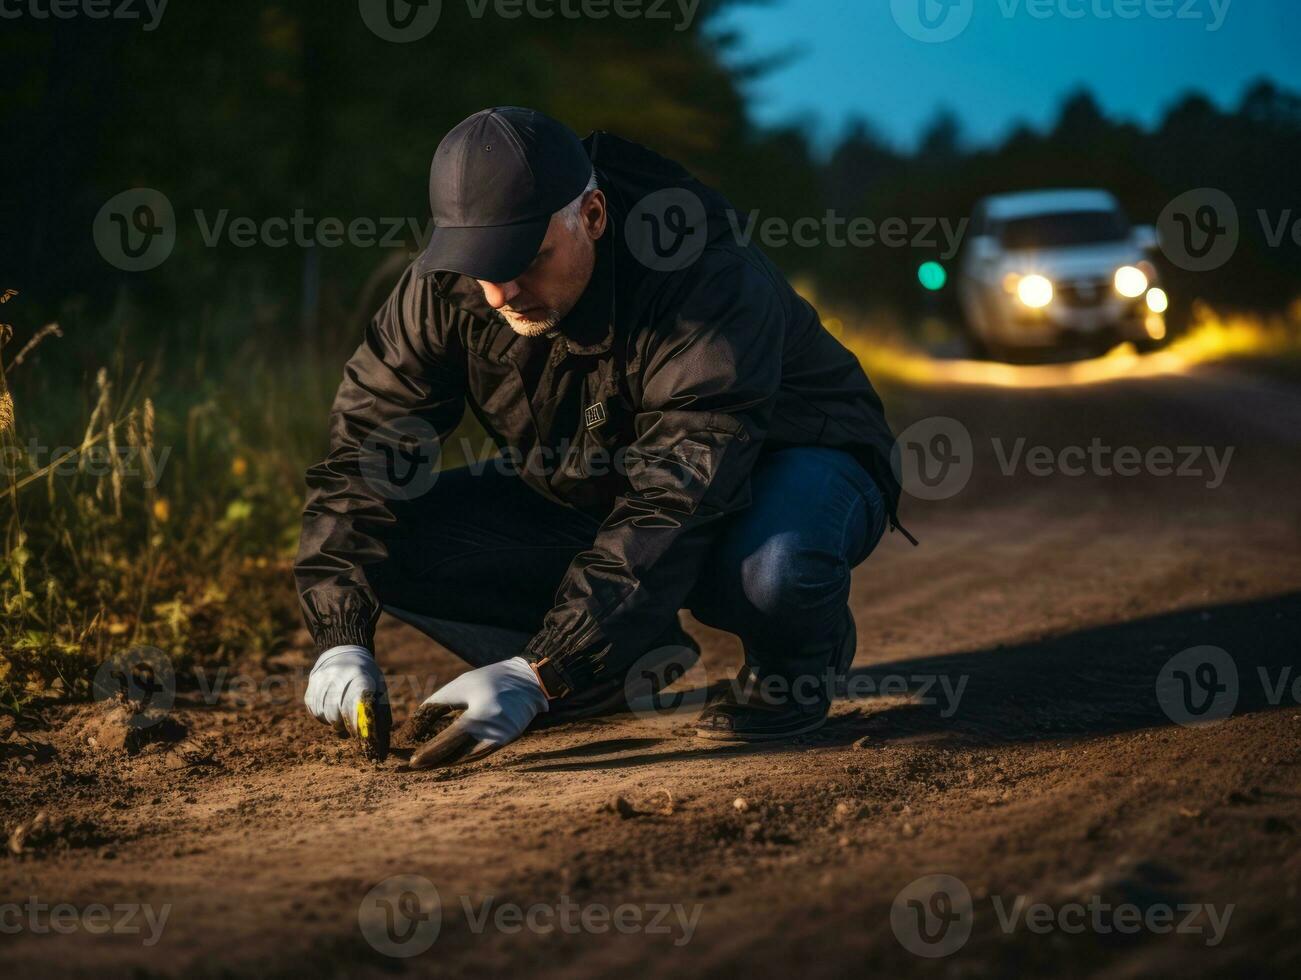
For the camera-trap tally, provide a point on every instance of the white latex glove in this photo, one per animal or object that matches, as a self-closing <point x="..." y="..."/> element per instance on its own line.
<point x="341" y="676"/>
<point x="499" y="702"/>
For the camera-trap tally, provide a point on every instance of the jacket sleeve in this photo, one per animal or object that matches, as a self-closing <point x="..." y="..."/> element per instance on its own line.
<point x="709" y="385"/>
<point x="402" y="393"/>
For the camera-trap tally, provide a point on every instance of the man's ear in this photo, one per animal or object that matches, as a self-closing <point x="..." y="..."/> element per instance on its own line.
<point x="594" y="214"/>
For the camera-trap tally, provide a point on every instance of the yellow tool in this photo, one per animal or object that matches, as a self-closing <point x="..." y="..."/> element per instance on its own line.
<point x="374" y="723"/>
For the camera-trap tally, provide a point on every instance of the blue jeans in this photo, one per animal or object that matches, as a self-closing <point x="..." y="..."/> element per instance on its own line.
<point x="480" y="556"/>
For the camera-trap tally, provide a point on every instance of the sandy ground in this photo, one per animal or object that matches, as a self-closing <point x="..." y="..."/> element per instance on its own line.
<point x="1012" y="740"/>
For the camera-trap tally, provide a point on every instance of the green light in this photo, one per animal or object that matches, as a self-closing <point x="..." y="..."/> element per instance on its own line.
<point x="932" y="276"/>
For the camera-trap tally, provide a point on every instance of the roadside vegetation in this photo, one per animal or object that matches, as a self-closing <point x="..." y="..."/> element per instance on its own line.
<point x="144" y="506"/>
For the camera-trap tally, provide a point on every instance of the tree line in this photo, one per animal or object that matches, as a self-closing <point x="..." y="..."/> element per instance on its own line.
<point x="245" y="111"/>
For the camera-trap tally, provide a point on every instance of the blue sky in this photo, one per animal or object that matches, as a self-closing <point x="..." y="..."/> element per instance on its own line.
<point x="1006" y="64"/>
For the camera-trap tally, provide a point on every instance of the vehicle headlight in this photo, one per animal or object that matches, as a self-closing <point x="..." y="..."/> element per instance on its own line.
<point x="1131" y="281"/>
<point x="1035" y="292"/>
<point x="1157" y="300"/>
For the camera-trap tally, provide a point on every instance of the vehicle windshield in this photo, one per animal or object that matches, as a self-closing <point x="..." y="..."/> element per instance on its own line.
<point x="1064" y="229"/>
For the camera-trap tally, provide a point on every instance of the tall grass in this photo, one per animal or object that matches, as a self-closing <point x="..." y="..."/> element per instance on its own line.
<point x="166" y="515"/>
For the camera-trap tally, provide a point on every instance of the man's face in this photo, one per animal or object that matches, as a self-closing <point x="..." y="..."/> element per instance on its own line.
<point x="540" y="297"/>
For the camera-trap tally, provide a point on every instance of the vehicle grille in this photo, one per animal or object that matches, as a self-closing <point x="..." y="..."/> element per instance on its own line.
<point x="1083" y="292"/>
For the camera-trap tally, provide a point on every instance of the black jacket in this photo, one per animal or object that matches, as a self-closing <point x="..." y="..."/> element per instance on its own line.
<point x="686" y="375"/>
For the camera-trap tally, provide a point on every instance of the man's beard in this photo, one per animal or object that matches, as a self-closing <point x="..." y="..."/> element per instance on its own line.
<point x="531" y="328"/>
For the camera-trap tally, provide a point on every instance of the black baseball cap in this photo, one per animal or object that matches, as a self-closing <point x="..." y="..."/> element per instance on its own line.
<point x="495" y="182"/>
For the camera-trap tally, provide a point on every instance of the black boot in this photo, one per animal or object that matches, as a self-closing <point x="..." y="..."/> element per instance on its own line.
<point x="763" y="705"/>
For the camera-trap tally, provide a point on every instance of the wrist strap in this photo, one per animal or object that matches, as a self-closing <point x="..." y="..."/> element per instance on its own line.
<point x="553" y="685"/>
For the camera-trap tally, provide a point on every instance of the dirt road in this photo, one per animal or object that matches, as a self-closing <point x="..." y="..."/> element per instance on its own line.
<point x="1012" y="740"/>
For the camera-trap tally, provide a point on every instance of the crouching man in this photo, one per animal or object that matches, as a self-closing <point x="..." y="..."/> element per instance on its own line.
<point x="688" y="436"/>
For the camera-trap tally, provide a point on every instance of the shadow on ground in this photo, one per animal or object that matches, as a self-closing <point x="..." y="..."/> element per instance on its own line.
<point x="1091" y="682"/>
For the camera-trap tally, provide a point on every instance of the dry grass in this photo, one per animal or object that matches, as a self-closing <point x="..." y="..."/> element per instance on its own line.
<point x="160" y="527"/>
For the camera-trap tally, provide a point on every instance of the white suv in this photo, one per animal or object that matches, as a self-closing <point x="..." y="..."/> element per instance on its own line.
<point x="1048" y="269"/>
